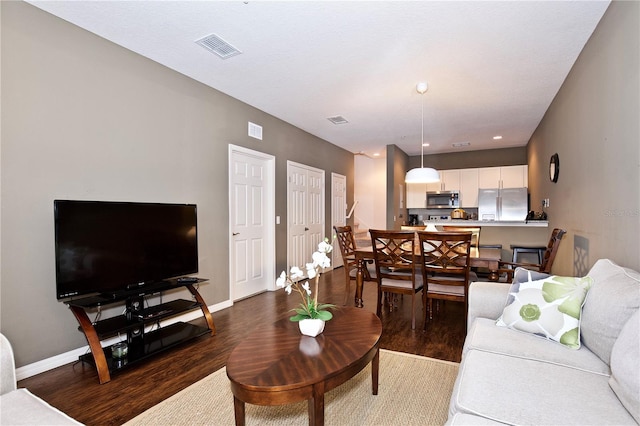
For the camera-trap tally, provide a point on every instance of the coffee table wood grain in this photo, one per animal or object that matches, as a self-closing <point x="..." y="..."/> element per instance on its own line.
<point x="277" y="365"/>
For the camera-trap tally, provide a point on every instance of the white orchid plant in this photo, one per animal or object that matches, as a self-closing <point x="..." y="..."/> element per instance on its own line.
<point x="309" y="308"/>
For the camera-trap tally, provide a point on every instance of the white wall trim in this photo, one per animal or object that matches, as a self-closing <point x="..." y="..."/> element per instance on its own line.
<point x="47" y="364"/>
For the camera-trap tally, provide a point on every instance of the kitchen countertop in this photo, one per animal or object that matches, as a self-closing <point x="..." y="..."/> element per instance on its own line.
<point x="463" y="222"/>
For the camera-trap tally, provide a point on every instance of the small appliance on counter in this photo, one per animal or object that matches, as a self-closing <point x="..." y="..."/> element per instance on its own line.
<point x="413" y="220"/>
<point x="458" y="214"/>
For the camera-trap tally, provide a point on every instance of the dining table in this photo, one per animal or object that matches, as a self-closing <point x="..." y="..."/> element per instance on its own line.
<point x="480" y="257"/>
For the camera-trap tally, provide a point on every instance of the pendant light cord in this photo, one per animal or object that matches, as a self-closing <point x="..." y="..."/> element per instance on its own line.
<point x="422" y="132"/>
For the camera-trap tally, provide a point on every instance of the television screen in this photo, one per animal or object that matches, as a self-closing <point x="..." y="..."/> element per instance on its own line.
<point x="106" y="247"/>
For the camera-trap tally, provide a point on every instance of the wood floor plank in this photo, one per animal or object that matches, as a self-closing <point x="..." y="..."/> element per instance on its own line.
<point x="74" y="388"/>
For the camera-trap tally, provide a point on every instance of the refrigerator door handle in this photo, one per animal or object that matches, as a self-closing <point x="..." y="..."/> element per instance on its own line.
<point x="498" y="208"/>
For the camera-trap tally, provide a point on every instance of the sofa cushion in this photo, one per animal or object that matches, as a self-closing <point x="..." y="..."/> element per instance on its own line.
<point x="612" y="299"/>
<point x="548" y="307"/>
<point x="522" y="391"/>
<point x="625" y="362"/>
<point x="484" y="335"/>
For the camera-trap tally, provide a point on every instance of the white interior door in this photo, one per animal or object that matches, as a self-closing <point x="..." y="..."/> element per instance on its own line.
<point x="251" y="222"/>
<point x="338" y="212"/>
<point x="305" y="212"/>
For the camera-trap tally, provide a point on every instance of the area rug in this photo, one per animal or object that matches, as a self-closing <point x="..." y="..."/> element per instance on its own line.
<point x="413" y="390"/>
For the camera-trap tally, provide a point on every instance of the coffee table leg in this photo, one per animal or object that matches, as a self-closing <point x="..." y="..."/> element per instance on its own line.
<point x="316" y="406"/>
<point x="238" y="407"/>
<point x="375" y="369"/>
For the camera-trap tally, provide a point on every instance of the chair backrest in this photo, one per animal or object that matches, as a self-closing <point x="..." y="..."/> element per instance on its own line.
<point x="393" y="252"/>
<point x="475" y="232"/>
<point x="552" y="250"/>
<point x="346" y="241"/>
<point x="445" y="257"/>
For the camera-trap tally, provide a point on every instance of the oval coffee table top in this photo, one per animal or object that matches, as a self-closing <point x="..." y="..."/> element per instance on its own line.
<point x="278" y="357"/>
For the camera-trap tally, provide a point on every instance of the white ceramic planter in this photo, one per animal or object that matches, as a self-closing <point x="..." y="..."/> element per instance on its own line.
<point x="311" y="327"/>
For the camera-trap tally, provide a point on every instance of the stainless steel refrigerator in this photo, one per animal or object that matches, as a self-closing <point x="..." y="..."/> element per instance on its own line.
<point x="506" y="204"/>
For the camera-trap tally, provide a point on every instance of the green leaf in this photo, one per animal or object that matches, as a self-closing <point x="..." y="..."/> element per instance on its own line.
<point x="324" y="315"/>
<point x="325" y="306"/>
<point x="298" y="317"/>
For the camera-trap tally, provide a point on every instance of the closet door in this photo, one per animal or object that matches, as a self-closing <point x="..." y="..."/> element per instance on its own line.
<point x="305" y="212"/>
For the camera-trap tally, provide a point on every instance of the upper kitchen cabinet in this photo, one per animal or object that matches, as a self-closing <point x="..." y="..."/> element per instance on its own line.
<point x="449" y="181"/>
<point x="503" y="177"/>
<point x="416" y="195"/>
<point x="468" y="188"/>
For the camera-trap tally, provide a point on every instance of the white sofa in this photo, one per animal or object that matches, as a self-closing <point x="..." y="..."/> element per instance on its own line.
<point x="19" y="406"/>
<point x="512" y="377"/>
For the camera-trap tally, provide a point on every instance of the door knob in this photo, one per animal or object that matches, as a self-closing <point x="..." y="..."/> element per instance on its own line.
<point x="235" y="233"/>
<point x="306" y="229"/>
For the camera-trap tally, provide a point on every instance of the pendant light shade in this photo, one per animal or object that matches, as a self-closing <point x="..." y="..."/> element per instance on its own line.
<point x="422" y="174"/>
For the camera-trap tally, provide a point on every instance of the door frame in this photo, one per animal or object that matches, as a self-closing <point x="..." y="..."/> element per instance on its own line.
<point x="336" y="255"/>
<point x="269" y="216"/>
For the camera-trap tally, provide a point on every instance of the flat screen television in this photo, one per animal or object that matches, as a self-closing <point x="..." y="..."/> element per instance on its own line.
<point x="108" y="247"/>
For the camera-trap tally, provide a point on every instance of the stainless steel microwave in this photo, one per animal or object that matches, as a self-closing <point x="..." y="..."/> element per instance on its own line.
<point x="443" y="200"/>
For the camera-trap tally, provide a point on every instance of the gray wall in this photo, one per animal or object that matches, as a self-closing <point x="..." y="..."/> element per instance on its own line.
<point x="473" y="159"/>
<point x="83" y="118"/>
<point x="397" y="166"/>
<point x="593" y="126"/>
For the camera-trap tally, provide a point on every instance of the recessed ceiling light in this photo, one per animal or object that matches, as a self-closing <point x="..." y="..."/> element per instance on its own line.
<point x="376" y="154"/>
<point x="425" y="144"/>
<point x="497" y="138"/>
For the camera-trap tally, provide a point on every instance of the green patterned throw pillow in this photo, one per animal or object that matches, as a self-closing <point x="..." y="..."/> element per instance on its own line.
<point x="549" y="307"/>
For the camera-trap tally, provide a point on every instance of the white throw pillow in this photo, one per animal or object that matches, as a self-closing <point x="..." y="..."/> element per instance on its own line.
<point x="548" y="307"/>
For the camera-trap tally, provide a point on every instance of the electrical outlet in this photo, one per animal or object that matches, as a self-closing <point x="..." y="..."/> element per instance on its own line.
<point x="545" y="202"/>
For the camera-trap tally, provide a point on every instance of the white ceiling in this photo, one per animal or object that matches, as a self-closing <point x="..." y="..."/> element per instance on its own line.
<point x="493" y="68"/>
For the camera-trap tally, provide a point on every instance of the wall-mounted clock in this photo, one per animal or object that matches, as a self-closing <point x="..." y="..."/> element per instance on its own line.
<point x="554" y="167"/>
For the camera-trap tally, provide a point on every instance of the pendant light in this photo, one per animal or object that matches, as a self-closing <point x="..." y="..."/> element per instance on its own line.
<point x="423" y="174"/>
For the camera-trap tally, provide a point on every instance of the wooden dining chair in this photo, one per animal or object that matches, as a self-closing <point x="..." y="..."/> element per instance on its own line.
<point x="475" y="232"/>
<point x="506" y="269"/>
<point x="396" y="270"/>
<point x="347" y="243"/>
<point x="444" y="259"/>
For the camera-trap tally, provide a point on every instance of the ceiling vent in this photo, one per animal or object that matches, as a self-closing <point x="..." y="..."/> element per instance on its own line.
<point x="217" y="45"/>
<point x="460" y="144"/>
<point x="338" y="119"/>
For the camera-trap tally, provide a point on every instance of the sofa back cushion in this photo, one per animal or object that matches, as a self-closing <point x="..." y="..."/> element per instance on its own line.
<point x="625" y="366"/>
<point x="613" y="298"/>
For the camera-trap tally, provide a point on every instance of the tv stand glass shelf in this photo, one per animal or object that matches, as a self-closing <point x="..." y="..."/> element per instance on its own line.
<point x="141" y="344"/>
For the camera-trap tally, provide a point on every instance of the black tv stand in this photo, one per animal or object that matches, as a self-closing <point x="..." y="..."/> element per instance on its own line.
<point x="141" y="344"/>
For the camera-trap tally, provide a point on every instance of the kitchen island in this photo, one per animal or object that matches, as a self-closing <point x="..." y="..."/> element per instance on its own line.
<point x="504" y="233"/>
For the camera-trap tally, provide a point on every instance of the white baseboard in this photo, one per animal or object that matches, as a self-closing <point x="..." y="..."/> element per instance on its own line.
<point x="72" y="356"/>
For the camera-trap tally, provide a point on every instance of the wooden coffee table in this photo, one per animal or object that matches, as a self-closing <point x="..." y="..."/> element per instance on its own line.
<point x="277" y="365"/>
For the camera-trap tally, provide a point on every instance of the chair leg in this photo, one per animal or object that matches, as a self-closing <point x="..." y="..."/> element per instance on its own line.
<point x="430" y="309"/>
<point x="379" y="308"/>
<point x="413" y="311"/>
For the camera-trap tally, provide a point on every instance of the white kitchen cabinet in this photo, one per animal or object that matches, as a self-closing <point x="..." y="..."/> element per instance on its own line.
<point x="514" y="176"/>
<point x="449" y="181"/>
<point x="503" y="177"/>
<point x="416" y="195"/>
<point x="468" y="188"/>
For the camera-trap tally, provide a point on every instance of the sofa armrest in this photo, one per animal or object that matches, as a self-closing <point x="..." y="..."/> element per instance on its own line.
<point x="486" y="300"/>
<point x="7" y="367"/>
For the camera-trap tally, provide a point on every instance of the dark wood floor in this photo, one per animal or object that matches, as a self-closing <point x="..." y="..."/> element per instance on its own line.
<point x="74" y="388"/>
